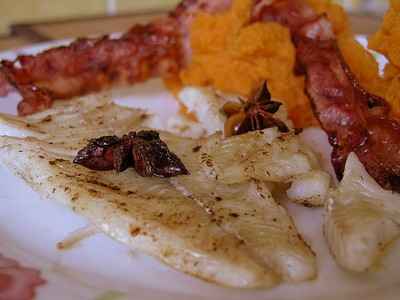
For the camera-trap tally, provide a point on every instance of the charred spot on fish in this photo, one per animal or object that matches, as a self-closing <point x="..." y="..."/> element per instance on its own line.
<point x="307" y="204"/>
<point x="143" y="150"/>
<point x="47" y="119"/>
<point x="143" y="117"/>
<point x="56" y="161"/>
<point x="75" y="197"/>
<point x="196" y="149"/>
<point x="93" y="192"/>
<point x="255" y="114"/>
<point x="135" y="231"/>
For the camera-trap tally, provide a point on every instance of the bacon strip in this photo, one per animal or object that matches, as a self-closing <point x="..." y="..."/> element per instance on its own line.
<point x="89" y="65"/>
<point x="354" y="120"/>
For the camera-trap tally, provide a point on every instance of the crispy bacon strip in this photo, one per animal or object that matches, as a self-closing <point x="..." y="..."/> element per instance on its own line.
<point x="354" y="120"/>
<point x="88" y="65"/>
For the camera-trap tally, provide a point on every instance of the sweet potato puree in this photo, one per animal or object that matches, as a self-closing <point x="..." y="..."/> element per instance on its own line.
<point x="236" y="57"/>
<point x="387" y="41"/>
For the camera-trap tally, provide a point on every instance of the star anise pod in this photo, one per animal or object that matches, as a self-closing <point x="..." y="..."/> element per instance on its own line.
<point x="254" y="114"/>
<point x="143" y="150"/>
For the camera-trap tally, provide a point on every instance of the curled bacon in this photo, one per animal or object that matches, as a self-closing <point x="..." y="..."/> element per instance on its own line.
<point x="355" y="120"/>
<point x="159" y="48"/>
<point x="89" y="65"/>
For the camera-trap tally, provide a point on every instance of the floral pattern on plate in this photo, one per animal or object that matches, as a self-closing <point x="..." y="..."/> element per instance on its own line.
<point x="18" y="282"/>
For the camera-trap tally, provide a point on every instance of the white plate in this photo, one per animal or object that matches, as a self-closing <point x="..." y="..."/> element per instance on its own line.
<point x="102" y="269"/>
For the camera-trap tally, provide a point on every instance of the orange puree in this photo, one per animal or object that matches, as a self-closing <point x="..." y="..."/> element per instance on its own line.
<point x="236" y="57"/>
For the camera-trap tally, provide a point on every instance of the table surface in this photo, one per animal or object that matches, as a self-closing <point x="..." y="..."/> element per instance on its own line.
<point x="25" y="34"/>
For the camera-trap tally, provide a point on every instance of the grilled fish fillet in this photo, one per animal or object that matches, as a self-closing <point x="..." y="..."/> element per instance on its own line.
<point x="267" y="156"/>
<point x="261" y="243"/>
<point x="223" y="181"/>
<point x="69" y="124"/>
<point x="361" y="219"/>
<point x="147" y="214"/>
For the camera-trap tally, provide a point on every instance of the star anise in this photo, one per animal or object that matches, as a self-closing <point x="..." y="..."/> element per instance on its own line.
<point x="143" y="150"/>
<point x="254" y="114"/>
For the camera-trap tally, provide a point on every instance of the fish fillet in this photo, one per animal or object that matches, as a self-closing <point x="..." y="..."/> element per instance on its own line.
<point x="361" y="219"/>
<point x="147" y="214"/>
<point x="222" y="180"/>
<point x="258" y="243"/>
<point x="70" y="124"/>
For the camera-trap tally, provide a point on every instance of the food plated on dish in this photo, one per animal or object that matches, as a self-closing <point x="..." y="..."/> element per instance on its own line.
<point x="205" y="192"/>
